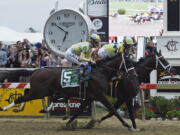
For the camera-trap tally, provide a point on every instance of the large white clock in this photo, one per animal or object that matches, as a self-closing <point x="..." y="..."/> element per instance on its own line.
<point x="64" y="28"/>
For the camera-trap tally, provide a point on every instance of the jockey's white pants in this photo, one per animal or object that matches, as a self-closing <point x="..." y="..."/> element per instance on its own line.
<point x="74" y="58"/>
<point x="102" y="53"/>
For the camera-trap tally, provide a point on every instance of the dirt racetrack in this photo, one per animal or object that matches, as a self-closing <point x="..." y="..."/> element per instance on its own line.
<point x="55" y="126"/>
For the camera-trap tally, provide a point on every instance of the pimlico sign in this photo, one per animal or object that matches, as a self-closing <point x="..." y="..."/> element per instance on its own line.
<point x="170" y="46"/>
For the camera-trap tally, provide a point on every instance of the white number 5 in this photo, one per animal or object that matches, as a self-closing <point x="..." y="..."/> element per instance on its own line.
<point x="67" y="77"/>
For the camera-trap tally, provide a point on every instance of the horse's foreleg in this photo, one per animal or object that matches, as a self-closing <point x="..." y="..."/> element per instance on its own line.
<point x="131" y="113"/>
<point x="116" y="106"/>
<point x="7" y="107"/>
<point x="20" y="100"/>
<point x="80" y="110"/>
<point x="106" y="103"/>
<point x="67" y="110"/>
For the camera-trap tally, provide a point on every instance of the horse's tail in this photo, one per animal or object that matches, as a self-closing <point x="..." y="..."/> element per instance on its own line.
<point x="11" y="75"/>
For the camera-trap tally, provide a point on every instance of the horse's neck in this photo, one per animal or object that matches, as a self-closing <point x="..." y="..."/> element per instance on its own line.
<point x="143" y="71"/>
<point x="143" y="75"/>
<point x="107" y="72"/>
<point x="110" y="68"/>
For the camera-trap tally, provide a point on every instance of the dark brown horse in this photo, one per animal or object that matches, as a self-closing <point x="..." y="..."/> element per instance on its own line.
<point x="126" y="90"/>
<point x="46" y="82"/>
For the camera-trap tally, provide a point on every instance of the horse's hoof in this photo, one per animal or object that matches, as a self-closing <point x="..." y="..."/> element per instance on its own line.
<point x="90" y="124"/>
<point x="16" y="110"/>
<point x="43" y="111"/>
<point x="134" y="129"/>
<point x="98" y="121"/>
<point x="1" y="109"/>
<point x="71" y="126"/>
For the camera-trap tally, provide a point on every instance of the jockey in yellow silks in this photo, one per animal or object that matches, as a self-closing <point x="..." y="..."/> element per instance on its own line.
<point x="110" y="50"/>
<point x="80" y="53"/>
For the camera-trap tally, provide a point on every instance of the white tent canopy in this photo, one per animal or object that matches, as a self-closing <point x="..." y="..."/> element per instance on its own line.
<point x="9" y="35"/>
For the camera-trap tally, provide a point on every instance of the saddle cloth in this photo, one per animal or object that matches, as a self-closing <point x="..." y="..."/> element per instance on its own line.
<point x="70" y="77"/>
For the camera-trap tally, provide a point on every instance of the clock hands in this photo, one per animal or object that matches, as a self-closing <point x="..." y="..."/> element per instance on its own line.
<point x="60" y="27"/>
<point x="66" y="32"/>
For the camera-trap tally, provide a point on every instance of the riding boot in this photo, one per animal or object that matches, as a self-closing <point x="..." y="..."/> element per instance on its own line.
<point x="82" y="73"/>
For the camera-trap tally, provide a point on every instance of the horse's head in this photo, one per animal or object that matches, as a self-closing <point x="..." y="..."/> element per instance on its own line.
<point x="158" y="62"/>
<point x="164" y="64"/>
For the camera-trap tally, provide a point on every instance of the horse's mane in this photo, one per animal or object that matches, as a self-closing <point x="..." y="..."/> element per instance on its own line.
<point x="106" y="61"/>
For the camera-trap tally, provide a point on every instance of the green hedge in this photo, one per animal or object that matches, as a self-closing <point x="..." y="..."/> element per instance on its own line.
<point x="121" y="11"/>
<point x="173" y="113"/>
<point x="162" y="105"/>
<point x="148" y="113"/>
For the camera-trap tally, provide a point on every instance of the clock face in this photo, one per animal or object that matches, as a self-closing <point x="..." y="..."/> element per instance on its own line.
<point x="65" y="28"/>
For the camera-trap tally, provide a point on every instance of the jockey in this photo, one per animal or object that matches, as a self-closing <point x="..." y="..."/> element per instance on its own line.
<point x="80" y="53"/>
<point x="110" y="50"/>
<point x="125" y="48"/>
<point x="129" y="44"/>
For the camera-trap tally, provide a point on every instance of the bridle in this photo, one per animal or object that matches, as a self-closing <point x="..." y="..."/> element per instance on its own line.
<point x="165" y="67"/>
<point x="123" y="62"/>
<point x="159" y="61"/>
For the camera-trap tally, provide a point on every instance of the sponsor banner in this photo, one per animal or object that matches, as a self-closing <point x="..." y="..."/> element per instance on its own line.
<point x="102" y="26"/>
<point x="30" y="108"/>
<point x="59" y="107"/>
<point x="169" y="46"/>
<point x="97" y="10"/>
<point x="163" y="78"/>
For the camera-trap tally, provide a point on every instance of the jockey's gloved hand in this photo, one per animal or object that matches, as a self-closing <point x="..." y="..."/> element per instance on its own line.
<point x="92" y="62"/>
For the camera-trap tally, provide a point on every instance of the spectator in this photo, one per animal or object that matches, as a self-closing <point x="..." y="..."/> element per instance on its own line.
<point x="3" y="56"/>
<point x="26" y="44"/>
<point x="41" y="60"/>
<point x="47" y="60"/>
<point x="34" y="58"/>
<point x="24" y="59"/>
<point x="38" y="45"/>
<point x="24" y="54"/>
<point x="64" y="62"/>
<point x="11" y="58"/>
<point x="150" y="48"/>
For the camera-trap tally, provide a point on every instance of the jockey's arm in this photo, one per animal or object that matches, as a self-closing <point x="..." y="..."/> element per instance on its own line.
<point x="88" y="58"/>
<point x="84" y="57"/>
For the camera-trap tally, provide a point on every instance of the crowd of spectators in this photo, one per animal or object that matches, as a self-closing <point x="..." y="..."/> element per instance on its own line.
<point x="24" y="54"/>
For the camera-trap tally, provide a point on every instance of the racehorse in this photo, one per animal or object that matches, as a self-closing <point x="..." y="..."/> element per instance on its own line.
<point x="126" y="90"/>
<point x="46" y="82"/>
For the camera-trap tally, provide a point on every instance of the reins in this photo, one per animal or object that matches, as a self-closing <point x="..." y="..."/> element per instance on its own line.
<point x="110" y="68"/>
<point x="120" y="66"/>
<point x="158" y="61"/>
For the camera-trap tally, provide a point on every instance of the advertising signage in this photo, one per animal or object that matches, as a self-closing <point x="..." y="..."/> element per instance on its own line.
<point x="163" y="78"/>
<point x="98" y="12"/>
